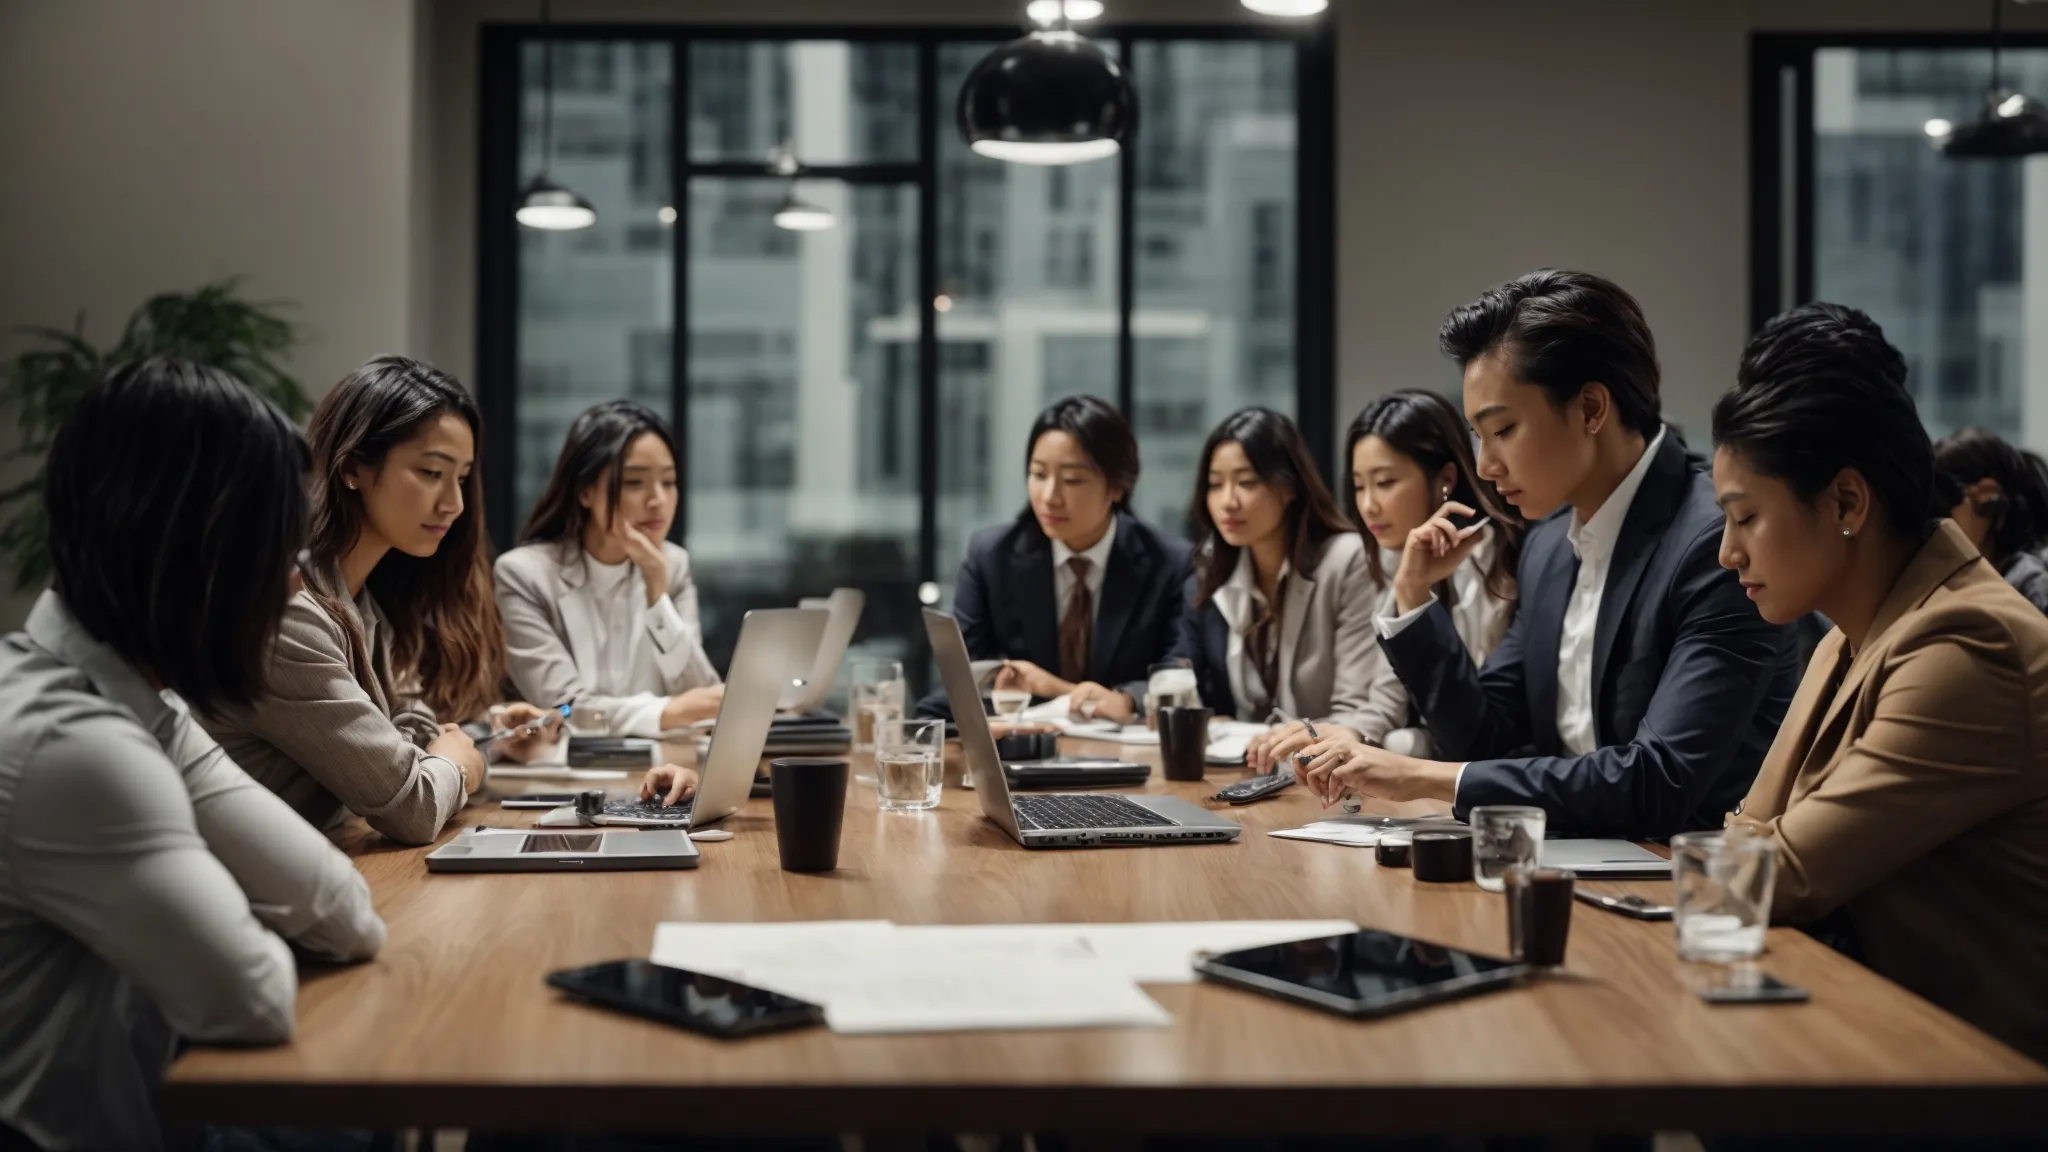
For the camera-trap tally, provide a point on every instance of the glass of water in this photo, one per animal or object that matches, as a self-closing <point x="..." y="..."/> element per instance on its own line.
<point x="1009" y="703"/>
<point x="910" y="764"/>
<point x="1170" y="684"/>
<point x="1723" y="882"/>
<point x="1504" y="836"/>
<point x="877" y="698"/>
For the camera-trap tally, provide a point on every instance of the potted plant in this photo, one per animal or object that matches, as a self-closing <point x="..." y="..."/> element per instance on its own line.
<point x="212" y="325"/>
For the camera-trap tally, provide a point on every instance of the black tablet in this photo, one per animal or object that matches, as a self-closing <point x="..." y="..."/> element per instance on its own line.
<point x="708" y="1004"/>
<point x="1362" y="974"/>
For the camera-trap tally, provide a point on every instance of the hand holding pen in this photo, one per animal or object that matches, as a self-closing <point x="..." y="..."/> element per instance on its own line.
<point x="527" y="730"/>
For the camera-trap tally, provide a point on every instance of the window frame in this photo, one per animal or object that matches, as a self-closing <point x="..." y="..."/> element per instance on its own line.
<point x="496" y="381"/>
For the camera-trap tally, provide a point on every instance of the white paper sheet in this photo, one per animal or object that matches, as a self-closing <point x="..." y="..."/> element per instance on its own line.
<point x="1336" y="832"/>
<point x="1149" y="953"/>
<point x="556" y="772"/>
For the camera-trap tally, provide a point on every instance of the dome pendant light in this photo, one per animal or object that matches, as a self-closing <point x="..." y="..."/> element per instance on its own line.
<point x="2011" y="123"/>
<point x="795" y="213"/>
<point x="1289" y="8"/>
<point x="543" y="203"/>
<point x="1051" y="97"/>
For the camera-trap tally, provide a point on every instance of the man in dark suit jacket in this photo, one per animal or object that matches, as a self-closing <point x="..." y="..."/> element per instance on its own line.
<point x="1637" y="690"/>
<point x="1008" y="609"/>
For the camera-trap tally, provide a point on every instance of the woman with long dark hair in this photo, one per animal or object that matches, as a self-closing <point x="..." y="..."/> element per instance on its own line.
<point x="1281" y="599"/>
<point x="1907" y="791"/>
<point x="1998" y="495"/>
<point x="151" y="894"/>
<point x="599" y="607"/>
<point x="1077" y="596"/>
<point x="395" y="631"/>
<point x="1407" y="455"/>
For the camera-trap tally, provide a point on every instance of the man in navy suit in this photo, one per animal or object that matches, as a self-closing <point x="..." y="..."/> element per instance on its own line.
<point x="1637" y="690"/>
<point x="1078" y="597"/>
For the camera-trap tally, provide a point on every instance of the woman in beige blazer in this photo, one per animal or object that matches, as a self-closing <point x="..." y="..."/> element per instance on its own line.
<point x="599" y="607"/>
<point x="351" y="719"/>
<point x="1281" y="600"/>
<point x="1907" y="791"/>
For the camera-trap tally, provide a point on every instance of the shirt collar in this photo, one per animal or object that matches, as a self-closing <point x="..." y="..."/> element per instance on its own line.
<point x="1097" y="554"/>
<point x="1595" y="538"/>
<point x="56" y="631"/>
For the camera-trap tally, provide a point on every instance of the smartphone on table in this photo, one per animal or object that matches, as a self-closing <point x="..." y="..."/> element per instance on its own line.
<point x="712" y="1005"/>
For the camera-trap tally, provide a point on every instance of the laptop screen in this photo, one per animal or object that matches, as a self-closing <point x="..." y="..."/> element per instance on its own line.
<point x="976" y="743"/>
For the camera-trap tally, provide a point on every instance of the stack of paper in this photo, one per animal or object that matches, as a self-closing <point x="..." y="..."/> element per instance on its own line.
<point x="872" y="976"/>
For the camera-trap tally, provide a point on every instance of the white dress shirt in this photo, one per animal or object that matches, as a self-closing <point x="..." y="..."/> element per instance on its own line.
<point x="1240" y="601"/>
<point x="624" y="666"/>
<point x="1593" y="541"/>
<point x="1097" y="556"/>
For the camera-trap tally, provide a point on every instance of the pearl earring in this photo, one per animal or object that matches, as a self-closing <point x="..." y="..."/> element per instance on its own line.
<point x="1848" y="532"/>
<point x="1447" y="492"/>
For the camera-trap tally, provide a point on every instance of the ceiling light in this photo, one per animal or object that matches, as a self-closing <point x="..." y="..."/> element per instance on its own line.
<point x="1938" y="128"/>
<point x="1045" y="12"/>
<point x="1052" y="97"/>
<point x="800" y="215"/>
<point x="2009" y="124"/>
<point x="1287" y="7"/>
<point x="550" y="207"/>
<point x="543" y="203"/>
<point x="666" y="214"/>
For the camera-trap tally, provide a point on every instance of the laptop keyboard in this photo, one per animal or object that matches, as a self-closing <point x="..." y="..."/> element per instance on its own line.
<point x="649" y="810"/>
<point x="1053" y="813"/>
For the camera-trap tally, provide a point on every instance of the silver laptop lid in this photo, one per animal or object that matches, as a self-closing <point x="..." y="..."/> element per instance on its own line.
<point x="775" y="645"/>
<point x="845" y="605"/>
<point x="976" y="743"/>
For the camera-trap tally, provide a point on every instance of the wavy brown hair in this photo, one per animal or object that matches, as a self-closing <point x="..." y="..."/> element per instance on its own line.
<point x="1281" y="458"/>
<point x="444" y="623"/>
<point x="1424" y="427"/>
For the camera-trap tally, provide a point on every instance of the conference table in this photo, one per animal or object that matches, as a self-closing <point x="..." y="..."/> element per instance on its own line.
<point x="451" y="1026"/>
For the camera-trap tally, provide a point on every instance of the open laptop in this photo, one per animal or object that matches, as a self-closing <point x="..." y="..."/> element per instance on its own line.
<point x="775" y="645"/>
<point x="802" y="697"/>
<point x="563" y="850"/>
<point x="1057" y="820"/>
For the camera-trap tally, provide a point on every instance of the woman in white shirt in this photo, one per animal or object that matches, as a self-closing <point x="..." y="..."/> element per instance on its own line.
<point x="599" y="607"/>
<point x="1406" y="454"/>
<point x="151" y="893"/>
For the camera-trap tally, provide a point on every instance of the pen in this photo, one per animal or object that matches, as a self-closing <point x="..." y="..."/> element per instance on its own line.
<point x="525" y="730"/>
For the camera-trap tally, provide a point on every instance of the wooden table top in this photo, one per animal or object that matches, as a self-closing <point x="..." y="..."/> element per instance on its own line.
<point x="451" y="1025"/>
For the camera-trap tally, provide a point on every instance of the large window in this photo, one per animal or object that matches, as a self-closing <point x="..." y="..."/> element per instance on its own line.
<point x="1855" y="205"/>
<point x="853" y="402"/>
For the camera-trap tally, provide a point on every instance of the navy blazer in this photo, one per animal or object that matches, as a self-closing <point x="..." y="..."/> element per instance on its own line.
<point x="1005" y="601"/>
<point x="1689" y="682"/>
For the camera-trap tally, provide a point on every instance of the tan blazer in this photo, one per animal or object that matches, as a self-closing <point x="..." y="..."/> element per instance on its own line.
<point x="337" y="732"/>
<point x="1914" y="795"/>
<point x="1329" y="655"/>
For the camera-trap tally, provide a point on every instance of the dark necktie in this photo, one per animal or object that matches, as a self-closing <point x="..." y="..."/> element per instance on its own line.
<point x="1077" y="623"/>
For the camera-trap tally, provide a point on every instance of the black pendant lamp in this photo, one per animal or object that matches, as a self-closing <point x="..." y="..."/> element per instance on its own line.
<point x="2010" y="124"/>
<point x="796" y="214"/>
<point x="1052" y="97"/>
<point x="543" y="203"/>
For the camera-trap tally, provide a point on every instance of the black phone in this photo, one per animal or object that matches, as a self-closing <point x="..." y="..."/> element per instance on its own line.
<point x="712" y="1005"/>
<point x="1632" y="906"/>
<point x="538" y="800"/>
<point x="1363" y="975"/>
<point x="1761" y="989"/>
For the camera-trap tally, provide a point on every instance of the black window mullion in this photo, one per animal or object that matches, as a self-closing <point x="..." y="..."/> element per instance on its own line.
<point x="927" y="313"/>
<point x="679" y="293"/>
<point x="496" y="377"/>
<point x="1315" y="262"/>
<point x="1127" y="247"/>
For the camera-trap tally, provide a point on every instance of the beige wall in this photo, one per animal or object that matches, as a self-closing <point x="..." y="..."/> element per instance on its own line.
<point x="152" y="146"/>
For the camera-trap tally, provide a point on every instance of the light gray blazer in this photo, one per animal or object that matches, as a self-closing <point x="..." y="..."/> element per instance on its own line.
<point x="1330" y="661"/>
<point x="337" y="731"/>
<point x="552" y="630"/>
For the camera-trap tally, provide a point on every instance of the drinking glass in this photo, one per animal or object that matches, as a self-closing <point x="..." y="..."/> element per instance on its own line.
<point x="1170" y="684"/>
<point x="910" y="764"/>
<point x="1504" y="836"/>
<point x="1723" y="898"/>
<point x="877" y="697"/>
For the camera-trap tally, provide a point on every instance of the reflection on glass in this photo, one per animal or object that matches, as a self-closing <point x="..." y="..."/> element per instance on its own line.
<point x="802" y="457"/>
<point x="747" y="96"/>
<point x="595" y="314"/>
<point x="1936" y="250"/>
<point x="1028" y="268"/>
<point x="1213" y="318"/>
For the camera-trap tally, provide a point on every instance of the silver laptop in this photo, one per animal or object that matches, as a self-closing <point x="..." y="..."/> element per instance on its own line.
<point x="775" y="645"/>
<point x="1053" y="819"/>
<point x="807" y="695"/>
<point x="563" y="850"/>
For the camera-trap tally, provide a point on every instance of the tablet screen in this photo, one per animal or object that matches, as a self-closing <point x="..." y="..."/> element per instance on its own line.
<point x="564" y="842"/>
<point x="1362" y="966"/>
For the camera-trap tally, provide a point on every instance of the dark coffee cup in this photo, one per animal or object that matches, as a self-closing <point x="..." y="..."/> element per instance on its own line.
<point x="1184" y="742"/>
<point x="1028" y="744"/>
<point x="1539" y="914"/>
<point x="1441" y="857"/>
<point x="810" y="809"/>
